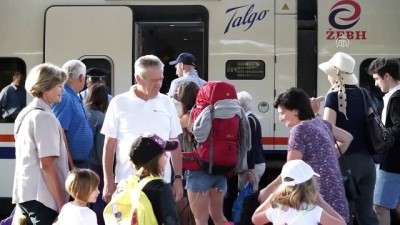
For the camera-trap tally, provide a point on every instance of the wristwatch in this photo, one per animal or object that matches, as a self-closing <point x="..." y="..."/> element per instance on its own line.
<point x="178" y="177"/>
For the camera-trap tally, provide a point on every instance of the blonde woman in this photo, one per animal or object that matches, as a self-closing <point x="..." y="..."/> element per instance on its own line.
<point x="345" y="108"/>
<point x="41" y="164"/>
<point x="297" y="200"/>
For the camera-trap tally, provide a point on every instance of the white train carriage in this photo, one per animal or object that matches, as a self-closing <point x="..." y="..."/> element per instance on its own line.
<point x="261" y="46"/>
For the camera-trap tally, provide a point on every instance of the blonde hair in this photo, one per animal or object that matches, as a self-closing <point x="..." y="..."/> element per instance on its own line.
<point x="44" y="77"/>
<point x="300" y="196"/>
<point x="81" y="182"/>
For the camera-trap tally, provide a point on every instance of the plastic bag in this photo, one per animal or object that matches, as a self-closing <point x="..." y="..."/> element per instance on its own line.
<point x="238" y="203"/>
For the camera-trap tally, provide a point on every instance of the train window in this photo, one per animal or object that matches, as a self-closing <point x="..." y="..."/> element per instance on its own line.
<point x="104" y="63"/>
<point x="245" y="69"/>
<point x="13" y="94"/>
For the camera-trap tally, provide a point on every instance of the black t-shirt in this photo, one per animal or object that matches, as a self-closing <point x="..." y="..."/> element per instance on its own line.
<point x="356" y="123"/>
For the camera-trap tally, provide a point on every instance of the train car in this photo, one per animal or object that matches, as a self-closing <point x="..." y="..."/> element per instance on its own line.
<point x="261" y="46"/>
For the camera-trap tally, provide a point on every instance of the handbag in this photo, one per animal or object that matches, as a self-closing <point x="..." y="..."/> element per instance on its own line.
<point x="380" y="139"/>
<point x="238" y="203"/>
<point x="249" y="206"/>
<point x="349" y="181"/>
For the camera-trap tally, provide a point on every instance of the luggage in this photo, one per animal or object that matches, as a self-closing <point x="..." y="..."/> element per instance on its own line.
<point x="216" y="129"/>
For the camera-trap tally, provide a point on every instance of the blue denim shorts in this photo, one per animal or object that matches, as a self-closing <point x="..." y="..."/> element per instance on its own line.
<point x="200" y="181"/>
<point x="387" y="189"/>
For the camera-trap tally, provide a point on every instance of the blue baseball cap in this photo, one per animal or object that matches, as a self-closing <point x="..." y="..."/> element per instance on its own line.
<point x="185" y="58"/>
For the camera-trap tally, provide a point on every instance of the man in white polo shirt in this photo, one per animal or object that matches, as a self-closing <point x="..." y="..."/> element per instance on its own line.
<point x="142" y="109"/>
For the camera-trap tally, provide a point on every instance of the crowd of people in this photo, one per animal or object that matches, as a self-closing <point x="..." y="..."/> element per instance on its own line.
<point x="74" y="147"/>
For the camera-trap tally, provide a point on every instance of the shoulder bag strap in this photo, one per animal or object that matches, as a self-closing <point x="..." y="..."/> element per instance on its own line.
<point x="22" y="120"/>
<point x="255" y="123"/>
<point x="364" y="92"/>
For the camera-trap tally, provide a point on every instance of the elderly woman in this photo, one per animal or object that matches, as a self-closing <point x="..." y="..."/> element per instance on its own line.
<point x="41" y="165"/>
<point x="313" y="140"/>
<point x="344" y="108"/>
<point x="255" y="158"/>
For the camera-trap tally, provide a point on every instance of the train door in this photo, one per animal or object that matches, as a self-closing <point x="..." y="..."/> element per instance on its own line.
<point x="100" y="36"/>
<point x="285" y="61"/>
<point x="167" y="39"/>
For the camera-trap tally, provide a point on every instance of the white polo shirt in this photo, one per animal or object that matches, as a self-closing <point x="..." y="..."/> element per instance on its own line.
<point x="128" y="116"/>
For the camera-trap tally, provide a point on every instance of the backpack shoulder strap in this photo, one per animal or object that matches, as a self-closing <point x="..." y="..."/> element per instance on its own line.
<point x="146" y="180"/>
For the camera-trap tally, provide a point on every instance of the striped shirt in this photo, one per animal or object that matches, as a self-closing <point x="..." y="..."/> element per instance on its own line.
<point x="73" y="120"/>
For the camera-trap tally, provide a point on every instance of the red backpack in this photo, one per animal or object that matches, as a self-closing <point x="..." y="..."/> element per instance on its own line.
<point x="218" y="154"/>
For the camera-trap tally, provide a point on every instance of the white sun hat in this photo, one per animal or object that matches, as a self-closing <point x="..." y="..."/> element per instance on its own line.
<point x="341" y="68"/>
<point x="296" y="172"/>
<point x="343" y="63"/>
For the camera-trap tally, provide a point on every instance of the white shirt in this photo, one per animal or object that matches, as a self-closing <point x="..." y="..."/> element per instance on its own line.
<point x="294" y="217"/>
<point x="128" y="116"/>
<point x="386" y="98"/>
<point x="76" y="215"/>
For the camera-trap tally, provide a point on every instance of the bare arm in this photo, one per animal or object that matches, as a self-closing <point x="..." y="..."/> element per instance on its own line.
<point x="316" y="103"/>
<point x="176" y="158"/>
<point x="50" y="174"/>
<point x="343" y="138"/>
<point x="70" y="161"/>
<point x="259" y="216"/>
<point x="329" y="215"/>
<point x="268" y="190"/>
<point x="110" y="145"/>
<point x="184" y="120"/>
<point x="330" y="116"/>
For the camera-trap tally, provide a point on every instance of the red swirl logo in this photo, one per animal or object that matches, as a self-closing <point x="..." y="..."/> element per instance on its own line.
<point x="344" y="14"/>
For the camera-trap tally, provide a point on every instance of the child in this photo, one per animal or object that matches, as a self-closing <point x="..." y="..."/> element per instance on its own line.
<point x="149" y="158"/>
<point x="82" y="185"/>
<point x="297" y="201"/>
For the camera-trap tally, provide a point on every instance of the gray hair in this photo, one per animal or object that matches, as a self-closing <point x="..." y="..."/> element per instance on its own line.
<point x="145" y="62"/>
<point x="74" y="68"/>
<point x="44" y="77"/>
<point x="245" y="100"/>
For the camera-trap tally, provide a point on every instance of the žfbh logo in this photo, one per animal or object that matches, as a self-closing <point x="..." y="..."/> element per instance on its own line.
<point x="344" y="14"/>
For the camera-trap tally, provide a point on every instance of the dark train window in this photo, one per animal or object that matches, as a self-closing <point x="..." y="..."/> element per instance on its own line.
<point x="245" y="69"/>
<point x="104" y="63"/>
<point x="11" y="101"/>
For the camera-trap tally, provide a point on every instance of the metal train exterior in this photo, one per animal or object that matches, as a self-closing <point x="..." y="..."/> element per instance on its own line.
<point x="261" y="46"/>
